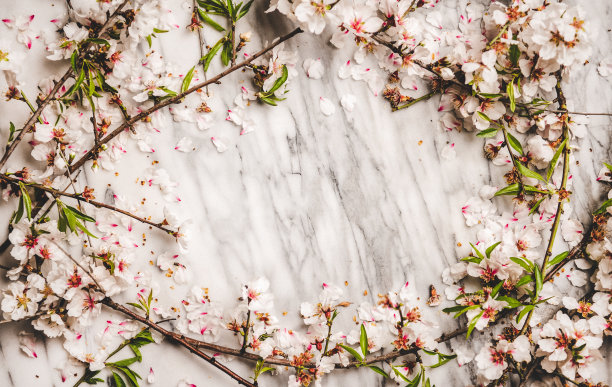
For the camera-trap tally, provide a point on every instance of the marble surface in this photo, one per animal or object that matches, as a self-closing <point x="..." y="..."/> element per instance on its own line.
<point x="363" y="197"/>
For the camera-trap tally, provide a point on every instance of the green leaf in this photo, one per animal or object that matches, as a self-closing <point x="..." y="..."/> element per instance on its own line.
<point x="491" y="132"/>
<point x="350" y="350"/>
<point x="80" y="215"/>
<point x="84" y="229"/>
<point x="557" y="259"/>
<point x="536" y="206"/>
<point x="116" y="381"/>
<point x="490" y="249"/>
<point x="483" y="116"/>
<point x="135" y="305"/>
<point x="512" y="189"/>
<point x="528" y="266"/>
<point x="496" y="289"/>
<point x="514" y="54"/>
<point x="206" y="59"/>
<point x="124" y="362"/>
<point x="512" y="302"/>
<point x="514" y="143"/>
<point x="472" y="259"/>
<point x="523" y="170"/>
<point x="606" y="164"/>
<point x="523" y="312"/>
<point x="454" y="309"/>
<point x="488" y="96"/>
<point x="538" y="280"/>
<point x="187" y="80"/>
<point x="378" y="370"/>
<point x="267" y="100"/>
<point x="279" y="82"/>
<point x="401" y="375"/>
<point x="244" y="10"/>
<point x="553" y="161"/>
<point x="206" y="19"/>
<point x="470" y="307"/>
<point x="76" y="85"/>
<point x="149" y="40"/>
<point x="603" y="207"/>
<point x="19" y="213"/>
<point x="363" y="341"/>
<point x="524" y="280"/>
<point x="473" y="324"/>
<point x="158" y="31"/>
<point x="27" y="202"/>
<point x="477" y="251"/>
<point x="73" y="60"/>
<point x="510" y="91"/>
<point x="226" y="54"/>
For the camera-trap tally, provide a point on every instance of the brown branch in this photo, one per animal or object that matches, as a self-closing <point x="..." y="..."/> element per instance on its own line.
<point x="57" y="193"/>
<point x="557" y="220"/>
<point x="94" y="151"/>
<point x="179" y="339"/>
<point x="51" y="96"/>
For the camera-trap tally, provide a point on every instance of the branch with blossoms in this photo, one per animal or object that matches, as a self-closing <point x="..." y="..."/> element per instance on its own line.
<point x="499" y="75"/>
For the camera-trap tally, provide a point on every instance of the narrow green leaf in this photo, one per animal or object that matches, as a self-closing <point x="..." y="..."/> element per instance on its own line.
<point x="206" y="19"/>
<point x="483" y="116"/>
<point x="226" y="54"/>
<point x="524" y="264"/>
<point x="279" y="82"/>
<point x="603" y="207"/>
<point x="473" y="324"/>
<point x="187" y="80"/>
<point x="489" y="96"/>
<point x="512" y="189"/>
<point x="524" y="280"/>
<point x="27" y="202"/>
<point x="553" y="161"/>
<point x="523" y="170"/>
<point x="378" y="370"/>
<point x="512" y="302"/>
<point x="350" y="350"/>
<point x="206" y="59"/>
<point x="538" y="280"/>
<point x="477" y="251"/>
<point x="116" y="381"/>
<point x="19" y="213"/>
<point x="124" y="362"/>
<point x="514" y="143"/>
<point x="363" y="341"/>
<point x="523" y="312"/>
<point x="244" y="10"/>
<point x="496" y="289"/>
<point x="490" y="249"/>
<point x="557" y="259"/>
<point x="515" y="54"/>
<point x="510" y="91"/>
<point x="606" y="164"/>
<point x="491" y="132"/>
<point x="80" y="215"/>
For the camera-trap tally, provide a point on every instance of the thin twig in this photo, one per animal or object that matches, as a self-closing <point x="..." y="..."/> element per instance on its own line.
<point x="557" y="220"/>
<point x="94" y="203"/>
<point x="179" y="339"/>
<point x="94" y="151"/>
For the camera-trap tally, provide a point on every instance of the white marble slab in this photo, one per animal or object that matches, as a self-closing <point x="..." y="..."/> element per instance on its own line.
<point x="363" y="197"/>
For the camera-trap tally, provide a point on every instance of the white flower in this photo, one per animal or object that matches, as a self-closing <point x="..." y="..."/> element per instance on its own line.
<point x="20" y="301"/>
<point x="255" y="292"/>
<point x="313" y="14"/>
